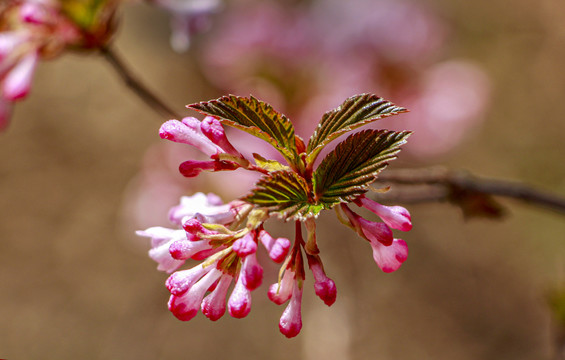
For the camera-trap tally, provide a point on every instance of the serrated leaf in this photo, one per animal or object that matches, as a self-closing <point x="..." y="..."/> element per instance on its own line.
<point x="286" y="193"/>
<point x="356" y="111"/>
<point x="267" y="164"/>
<point x="255" y="117"/>
<point x="347" y="171"/>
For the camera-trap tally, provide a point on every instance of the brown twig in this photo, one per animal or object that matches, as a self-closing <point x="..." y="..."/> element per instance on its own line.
<point x="440" y="184"/>
<point x="134" y="84"/>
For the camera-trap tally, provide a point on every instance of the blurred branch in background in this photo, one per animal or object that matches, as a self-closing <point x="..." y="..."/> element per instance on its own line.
<point x="473" y="194"/>
<point x="136" y="86"/>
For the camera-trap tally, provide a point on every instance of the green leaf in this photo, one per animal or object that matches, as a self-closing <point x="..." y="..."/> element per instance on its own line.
<point x="286" y="193"/>
<point x="267" y="164"/>
<point x="353" y="165"/>
<point x="255" y="117"/>
<point x="89" y="13"/>
<point x="356" y="111"/>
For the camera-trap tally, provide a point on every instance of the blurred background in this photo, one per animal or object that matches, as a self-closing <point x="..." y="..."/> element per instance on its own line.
<point x="83" y="167"/>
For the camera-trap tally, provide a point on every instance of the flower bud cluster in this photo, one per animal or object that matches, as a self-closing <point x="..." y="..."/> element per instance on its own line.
<point x="227" y="245"/>
<point x="225" y="238"/>
<point x="29" y="30"/>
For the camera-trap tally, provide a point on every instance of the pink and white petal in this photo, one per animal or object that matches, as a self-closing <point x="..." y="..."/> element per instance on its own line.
<point x="376" y="231"/>
<point x="239" y="304"/>
<point x="186" y="306"/>
<point x="251" y="272"/>
<point x="17" y="82"/>
<point x="290" y="323"/>
<point x="214" y="305"/>
<point x="180" y="132"/>
<point x="279" y="293"/>
<point x="397" y="217"/>
<point x="185" y="249"/>
<point x="181" y="281"/>
<point x="389" y="258"/>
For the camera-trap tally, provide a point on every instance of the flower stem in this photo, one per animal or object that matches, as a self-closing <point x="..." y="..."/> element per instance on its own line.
<point x="441" y="184"/>
<point x="136" y="86"/>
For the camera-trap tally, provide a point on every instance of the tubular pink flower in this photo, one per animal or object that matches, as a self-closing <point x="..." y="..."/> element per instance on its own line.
<point x="389" y="258"/>
<point x="277" y="248"/>
<point x="186" y="305"/>
<point x="214" y="131"/>
<point x="185" y="249"/>
<point x="239" y="304"/>
<point x="324" y="286"/>
<point x="180" y="281"/>
<point x="214" y="305"/>
<point x="245" y="246"/>
<point x="161" y="240"/>
<point x="376" y="231"/>
<point x="290" y="323"/>
<point x="35" y="13"/>
<point x="9" y="41"/>
<point x="200" y="203"/>
<point x="279" y="293"/>
<point x="192" y="168"/>
<point x="194" y="229"/>
<point x="396" y="217"/>
<point x="370" y="230"/>
<point x="17" y="82"/>
<point x="207" y="253"/>
<point x="187" y="132"/>
<point x="251" y="272"/>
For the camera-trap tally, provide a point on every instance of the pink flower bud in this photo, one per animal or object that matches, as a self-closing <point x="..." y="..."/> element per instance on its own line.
<point x="214" y="131"/>
<point x="204" y="254"/>
<point x="290" y="323"/>
<point x="186" y="305"/>
<point x="324" y="286"/>
<point x="214" y="305"/>
<point x="161" y="240"/>
<point x="187" y="133"/>
<point x="192" y="168"/>
<point x="376" y="231"/>
<point x="181" y="281"/>
<point x="17" y="82"/>
<point x="370" y="230"/>
<point x="279" y="293"/>
<point x="200" y="203"/>
<point x="277" y="248"/>
<point x="389" y="258"/>
<point x="185" y="249"/>
<point x="9" y="41"/>
<point x="239" y="304"/>
<point x="245" y="246"/>
<point x="251" y="272"/>
<point x="395" y="217"/>
<point x="35" y="13"/>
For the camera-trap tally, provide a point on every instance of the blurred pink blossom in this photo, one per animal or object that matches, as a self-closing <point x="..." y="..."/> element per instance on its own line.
<point x="29" y="30"/>
<point x="306" y="58"/>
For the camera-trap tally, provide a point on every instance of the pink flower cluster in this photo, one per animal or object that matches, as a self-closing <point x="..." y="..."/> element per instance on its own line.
<point x="225" y="239"/>
<point x="30" y="29"/>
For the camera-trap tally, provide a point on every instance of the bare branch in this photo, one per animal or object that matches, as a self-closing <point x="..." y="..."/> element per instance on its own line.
<point x="441" y="184"/>
<point x="139" y="88"/>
